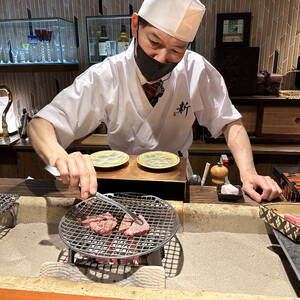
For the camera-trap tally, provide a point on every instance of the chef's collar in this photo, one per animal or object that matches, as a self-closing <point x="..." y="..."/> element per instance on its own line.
<point x="140" y="76"/>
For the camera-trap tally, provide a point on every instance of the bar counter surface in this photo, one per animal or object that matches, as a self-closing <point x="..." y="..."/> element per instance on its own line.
<point x="55" y="188"/>
<point x="97" y="142"/>
<point x="18" y="159"/>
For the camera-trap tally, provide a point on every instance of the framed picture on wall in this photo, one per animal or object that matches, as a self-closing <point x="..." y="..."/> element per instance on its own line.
<point x="233" y="30"/>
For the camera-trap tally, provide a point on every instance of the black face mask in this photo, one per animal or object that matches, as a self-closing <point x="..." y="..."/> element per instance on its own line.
<point x="149" y="67"/>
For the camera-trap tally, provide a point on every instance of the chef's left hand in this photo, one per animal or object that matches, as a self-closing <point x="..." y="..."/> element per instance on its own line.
<point x="270" y="189"/>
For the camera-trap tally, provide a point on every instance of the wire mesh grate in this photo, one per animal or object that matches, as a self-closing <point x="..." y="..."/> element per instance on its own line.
<point x="7" y="201"/>
<point x="160" y="215"/>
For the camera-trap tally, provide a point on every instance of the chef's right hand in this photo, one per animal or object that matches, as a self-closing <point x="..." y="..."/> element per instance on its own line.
<point x="77" y="168"/>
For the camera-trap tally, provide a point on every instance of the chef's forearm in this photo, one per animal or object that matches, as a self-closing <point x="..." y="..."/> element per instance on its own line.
<point x="43" y="139"/>
<point x="240" y="147"/>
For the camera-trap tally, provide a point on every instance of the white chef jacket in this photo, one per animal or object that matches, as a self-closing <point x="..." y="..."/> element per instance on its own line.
<point x="111" y="92"/>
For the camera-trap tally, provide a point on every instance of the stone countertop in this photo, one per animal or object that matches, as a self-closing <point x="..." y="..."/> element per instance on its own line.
<point x="206" y="200"/>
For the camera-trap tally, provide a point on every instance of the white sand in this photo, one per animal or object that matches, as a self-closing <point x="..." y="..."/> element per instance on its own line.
<point x="231" y="263"/>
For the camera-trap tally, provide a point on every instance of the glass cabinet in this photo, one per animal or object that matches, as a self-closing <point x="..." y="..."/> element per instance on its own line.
<point x="37" y="41"/>
<point x="107" y="36"/>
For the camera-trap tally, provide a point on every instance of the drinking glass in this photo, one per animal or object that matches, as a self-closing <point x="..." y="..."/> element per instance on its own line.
<point x="41" y="34"/>
<point x="48" y="46"/>
<point x="1" y="55"/>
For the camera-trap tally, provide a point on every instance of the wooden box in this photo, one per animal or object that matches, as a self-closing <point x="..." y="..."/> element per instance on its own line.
<point x="239" y="67"/>
<point x="168" y="185"/>
<point x="268" y="119"/>
<point x="268" y="85"/>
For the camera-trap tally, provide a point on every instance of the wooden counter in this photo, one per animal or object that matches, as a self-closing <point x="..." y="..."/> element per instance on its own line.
<point x="18" y="159"/>
<point x="8" y="294"/>
<point x="55" y="188"/>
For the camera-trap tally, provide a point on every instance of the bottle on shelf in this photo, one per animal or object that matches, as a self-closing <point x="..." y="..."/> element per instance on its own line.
<point x="33" y="48"/>
<point x="103" y="38"/>
<point x="102" y="129"/>
<point x="25" y="118"/>
<point x="93" y="47"/>
<point x="123" y="41"/>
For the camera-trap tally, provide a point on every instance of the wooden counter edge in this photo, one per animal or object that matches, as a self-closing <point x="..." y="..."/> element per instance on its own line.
<point x="55" y="188"/>
<point x="11" y="294"/>
<point x="196" y="147"/>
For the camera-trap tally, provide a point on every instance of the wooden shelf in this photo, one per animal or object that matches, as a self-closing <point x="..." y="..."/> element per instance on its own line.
<point x="39" y="67"/>
<point x="264" y="100"/>
<point x="8" y="142"/>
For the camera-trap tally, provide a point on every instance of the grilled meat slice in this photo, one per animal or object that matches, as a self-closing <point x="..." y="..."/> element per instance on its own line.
<point x="126" y="223"/>
<point x="103" y="224"/>
<point x="135" y="229"/>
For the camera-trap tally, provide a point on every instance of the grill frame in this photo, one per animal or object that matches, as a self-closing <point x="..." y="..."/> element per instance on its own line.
<point x="7" y="201"/>
<point x="161" y="216"/>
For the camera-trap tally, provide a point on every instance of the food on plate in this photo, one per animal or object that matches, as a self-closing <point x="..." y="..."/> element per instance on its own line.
<point x="109" y="158"/>
<point x="103" y="224"/>
<point x="158" y="159"/>
<point x="229" y="189"/>
<point x="293" y="219"/>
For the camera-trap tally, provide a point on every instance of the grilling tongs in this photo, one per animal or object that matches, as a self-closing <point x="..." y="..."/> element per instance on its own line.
<point x="134" y="216"/>
<point x="52" y="170"/>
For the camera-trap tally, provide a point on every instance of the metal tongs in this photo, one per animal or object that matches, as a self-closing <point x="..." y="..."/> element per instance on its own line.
<point x="134" y="216"/>
<point x="52" y="170"/>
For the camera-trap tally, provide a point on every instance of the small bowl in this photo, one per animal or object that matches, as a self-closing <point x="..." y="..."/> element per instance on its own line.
<point x="229" y="197"/>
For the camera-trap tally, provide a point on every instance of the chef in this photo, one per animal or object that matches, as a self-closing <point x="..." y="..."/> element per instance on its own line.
<point x="149" y="97"/>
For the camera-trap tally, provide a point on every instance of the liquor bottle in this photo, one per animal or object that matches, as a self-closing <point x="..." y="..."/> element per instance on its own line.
<point x="93" y="47"/>
<point x="123" y="42"/>
<point x="103" y="38"/>
<point x="102" y="129"/>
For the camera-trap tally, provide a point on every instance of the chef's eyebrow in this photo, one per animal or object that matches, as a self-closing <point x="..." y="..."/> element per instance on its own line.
<point x="155" y="35"/>
<point x="160" y="39"/>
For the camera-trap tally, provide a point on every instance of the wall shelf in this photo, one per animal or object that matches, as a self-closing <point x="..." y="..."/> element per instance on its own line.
<point x="39" y="67"/>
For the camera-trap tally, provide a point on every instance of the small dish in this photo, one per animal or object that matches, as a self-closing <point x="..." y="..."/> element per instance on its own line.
<point x="273" y="214"/>
<point x="229" y="197"/>
<point x="158" y="160"/>
<point x="109" y="158"/>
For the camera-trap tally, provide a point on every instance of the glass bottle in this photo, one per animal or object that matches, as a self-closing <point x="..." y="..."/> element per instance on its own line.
<point x="93" y="45"/>
<point x="33" y="50"/>
<point x="102" y="129"/>
<point x="92" y="48"/>
<point x="103" y="38"/>
<point x="123" y="41"/>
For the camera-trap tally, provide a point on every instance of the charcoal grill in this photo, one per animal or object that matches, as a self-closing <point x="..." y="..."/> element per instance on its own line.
<point x="160" y="215"/>
<point x="7" y="202"/>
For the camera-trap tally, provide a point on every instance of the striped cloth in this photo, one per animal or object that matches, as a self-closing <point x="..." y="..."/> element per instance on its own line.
<point x="151" y="91"/>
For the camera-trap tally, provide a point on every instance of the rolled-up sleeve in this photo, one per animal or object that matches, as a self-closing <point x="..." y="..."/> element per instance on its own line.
<point x="78" y="109"/>
<point x="215" y="109"/>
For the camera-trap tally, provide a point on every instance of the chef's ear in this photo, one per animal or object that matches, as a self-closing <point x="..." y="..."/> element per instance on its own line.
<point x="134" y="24"/>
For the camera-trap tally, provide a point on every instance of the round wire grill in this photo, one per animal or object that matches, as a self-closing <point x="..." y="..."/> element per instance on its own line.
<point x="7" y="201"/>
<point x="160" y="215"/>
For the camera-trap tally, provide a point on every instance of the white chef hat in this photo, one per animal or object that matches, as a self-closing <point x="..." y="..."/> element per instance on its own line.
<point x="178" y="18"/>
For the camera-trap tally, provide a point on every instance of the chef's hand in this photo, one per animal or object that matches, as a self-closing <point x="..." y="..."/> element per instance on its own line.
<point x="77" y="168"/>
<point x="270" y="189"/>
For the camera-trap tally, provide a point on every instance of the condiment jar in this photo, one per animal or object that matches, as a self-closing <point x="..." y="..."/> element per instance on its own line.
<point x="218" y="173"/>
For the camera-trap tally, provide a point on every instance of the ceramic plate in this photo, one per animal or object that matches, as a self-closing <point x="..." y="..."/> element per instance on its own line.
<point x="109" y="158"/>
<point x="158" y="160"/>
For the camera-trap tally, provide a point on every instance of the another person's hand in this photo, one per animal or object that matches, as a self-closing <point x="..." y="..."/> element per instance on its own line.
<point x="270" y="189"/>
<point x="77" y="168"/>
